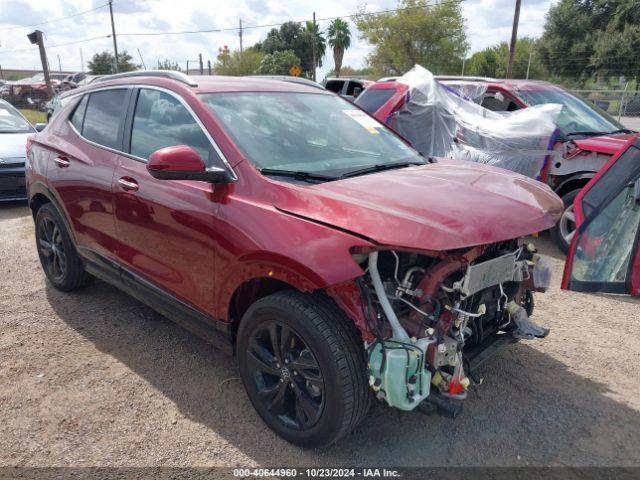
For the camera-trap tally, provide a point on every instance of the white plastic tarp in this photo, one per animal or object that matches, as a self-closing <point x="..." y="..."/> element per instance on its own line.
<point x="440" y="123"/>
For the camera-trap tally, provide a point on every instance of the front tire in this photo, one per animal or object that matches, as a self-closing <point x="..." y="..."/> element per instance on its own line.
<point x="303" y="366"/>
<point x="564" y="231"/>
<point x="58" y="256"/>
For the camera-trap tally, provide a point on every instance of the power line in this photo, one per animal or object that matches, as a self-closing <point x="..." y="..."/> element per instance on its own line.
<point x="57" y="45"/>
<point x="54" y="20"/>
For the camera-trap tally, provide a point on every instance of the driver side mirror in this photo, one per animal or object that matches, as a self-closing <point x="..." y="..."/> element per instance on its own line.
<point x="183" y="163"/>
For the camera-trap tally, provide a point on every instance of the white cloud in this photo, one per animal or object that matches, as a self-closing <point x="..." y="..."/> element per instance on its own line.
<point x="488" y="22"/>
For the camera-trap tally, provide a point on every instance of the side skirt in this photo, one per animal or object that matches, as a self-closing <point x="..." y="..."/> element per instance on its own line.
<point x="216" y="332"/>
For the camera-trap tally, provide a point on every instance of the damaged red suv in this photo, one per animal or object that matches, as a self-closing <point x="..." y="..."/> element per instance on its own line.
<point x="285" y="224"/>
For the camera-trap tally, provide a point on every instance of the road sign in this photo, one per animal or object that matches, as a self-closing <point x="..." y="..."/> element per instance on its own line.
<point x="295" y="71"/>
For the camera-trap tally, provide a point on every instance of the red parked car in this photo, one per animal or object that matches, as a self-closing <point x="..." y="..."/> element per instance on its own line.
<point x="588" y="136"/>
<point x="283" y="224"/>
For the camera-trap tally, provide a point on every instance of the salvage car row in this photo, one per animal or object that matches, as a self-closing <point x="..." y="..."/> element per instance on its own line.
<point x="335" y="259"/>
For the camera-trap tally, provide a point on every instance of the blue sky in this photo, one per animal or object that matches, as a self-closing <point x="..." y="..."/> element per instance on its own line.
<point x="488" y="22"/>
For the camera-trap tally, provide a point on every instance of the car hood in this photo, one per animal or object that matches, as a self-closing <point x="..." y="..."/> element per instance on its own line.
<point x="440" y="206"/>
<point x="13" y="145"/>
<point x="608" y="144"/>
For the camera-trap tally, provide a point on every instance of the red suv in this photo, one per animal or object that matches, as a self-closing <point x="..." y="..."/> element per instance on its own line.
<point x="286" y="225"/>
<point x="588" y="136"/>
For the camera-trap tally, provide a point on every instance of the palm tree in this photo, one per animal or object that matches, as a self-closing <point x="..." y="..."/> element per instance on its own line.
<point x="339" y="38"/>
<point x="313" y="31"/>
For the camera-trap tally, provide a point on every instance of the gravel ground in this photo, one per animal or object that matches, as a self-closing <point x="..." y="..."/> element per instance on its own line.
<point x="96" y="378"/>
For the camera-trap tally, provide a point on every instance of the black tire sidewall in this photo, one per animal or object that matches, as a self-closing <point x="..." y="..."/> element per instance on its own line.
<point x="331" y="420"/>
<point x="74" y="269"/>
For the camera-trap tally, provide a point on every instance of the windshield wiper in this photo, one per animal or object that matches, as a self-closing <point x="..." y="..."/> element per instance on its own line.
<point x="298" y="175"/>
<point x="379" y="167"/>
<point x="593" y="134"/>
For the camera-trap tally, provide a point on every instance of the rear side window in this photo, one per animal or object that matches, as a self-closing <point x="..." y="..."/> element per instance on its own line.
<point x="78" y="114"/>
<point x="335" y="85"/>
<point x="103" y="117"/>
<point x="160" y="121"/>
<point x="373" y="98"/>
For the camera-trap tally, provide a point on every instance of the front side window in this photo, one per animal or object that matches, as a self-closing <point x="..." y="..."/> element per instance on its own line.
<point x="12" y="122"/>
<point x="160" y="121"/>
<point x="307" y="132"/>
<point x="103" y="117"/>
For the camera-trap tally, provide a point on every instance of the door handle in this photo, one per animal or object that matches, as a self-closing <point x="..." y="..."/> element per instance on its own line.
<point x="62" y="162"/>
<point x="128" y="184"/>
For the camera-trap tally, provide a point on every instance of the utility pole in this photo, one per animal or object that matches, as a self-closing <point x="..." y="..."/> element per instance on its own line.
<point x="209" y="66"/>
<point x="464" y="60"/>
<point x="141" y="59"/>
<point x="514" y="39"/>
<point x="81" y="61"/>
<point x="59" y="64"/>
<point x="187" y="67"/>
<point x="313" y="48"/>
<point x="36" y="37"/>
<point x="201" y="64"/>
<point x="529" y="63"/>
<point x="113" y="34"/>
<point x="240" y="35"/>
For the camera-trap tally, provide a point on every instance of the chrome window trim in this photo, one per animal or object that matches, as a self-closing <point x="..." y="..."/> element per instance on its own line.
<point x="215" y="146"/>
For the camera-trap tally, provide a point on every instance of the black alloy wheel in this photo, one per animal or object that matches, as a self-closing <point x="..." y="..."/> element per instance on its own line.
<point x="287" y="376"/>
<point x="52" y="249"/>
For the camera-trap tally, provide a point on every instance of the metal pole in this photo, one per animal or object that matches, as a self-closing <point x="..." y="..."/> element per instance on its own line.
<point x="624" y="93"/>
<point x="201" y="64"/>
<point x="463" y="62"/>
<point x="59" y="64"/>
<point x="81" y="61"/>
<point x="187" y="67"/>
<point x="113" y="34"/>
<point x="240" y="35"/>
<point x="209" y="66"/>
<point x="529" y="63"/>
<point x="314" y="46"/>
<point x="514" y="38"/>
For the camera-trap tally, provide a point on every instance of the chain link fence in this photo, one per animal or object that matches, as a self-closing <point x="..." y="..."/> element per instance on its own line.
<point x="618" y="103"/>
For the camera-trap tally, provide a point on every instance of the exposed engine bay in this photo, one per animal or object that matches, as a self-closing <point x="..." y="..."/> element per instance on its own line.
<point x="433" y="317"/>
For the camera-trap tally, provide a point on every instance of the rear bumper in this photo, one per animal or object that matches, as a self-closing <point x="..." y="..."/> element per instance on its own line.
<point x="12" y="184"/>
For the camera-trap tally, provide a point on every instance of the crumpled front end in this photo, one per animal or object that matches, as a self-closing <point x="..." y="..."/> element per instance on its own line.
<point x="435" y="319"/>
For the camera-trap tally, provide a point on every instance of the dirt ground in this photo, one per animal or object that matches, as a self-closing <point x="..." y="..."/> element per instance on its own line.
<point x="96" y="378"/>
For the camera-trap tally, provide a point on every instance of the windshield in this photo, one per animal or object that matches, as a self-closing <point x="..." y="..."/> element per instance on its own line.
<point x="12" y="122"/>
<point x="576" y="115"/>
<point x="306" y="132"/>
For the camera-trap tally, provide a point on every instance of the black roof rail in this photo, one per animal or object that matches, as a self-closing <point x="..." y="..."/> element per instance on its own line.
<point x="171" y="74"/>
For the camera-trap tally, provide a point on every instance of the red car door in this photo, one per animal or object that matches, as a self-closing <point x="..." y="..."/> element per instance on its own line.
<point x="604" y="254"/>
<point x="165" y="227"/>
<point x="83" y="163"/>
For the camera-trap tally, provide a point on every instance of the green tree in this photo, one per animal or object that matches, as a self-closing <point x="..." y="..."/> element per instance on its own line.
<point x="102" y="63"/>
<point x="586" y="37"/>
<point x="167" y="64"/>
<point x="278" y="63"/>
<point x="233" y="63"/>
<point x="339" y="37"/>
<point x="291" y="36"/>
<point x="432" y="35"/>
<point x="492" y="61"/>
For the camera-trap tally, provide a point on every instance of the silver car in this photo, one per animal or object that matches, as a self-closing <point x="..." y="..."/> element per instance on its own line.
<point x="14" y="130"/>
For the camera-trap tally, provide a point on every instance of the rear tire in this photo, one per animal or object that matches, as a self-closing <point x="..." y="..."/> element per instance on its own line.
<point x="563" y="232"/>
<point x="303" y="365"/>
<point x="58" y="256"/>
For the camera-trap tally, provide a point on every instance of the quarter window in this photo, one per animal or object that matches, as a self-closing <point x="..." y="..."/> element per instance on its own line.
<point x="78" y="114"/>
<point x="160" y="121"/>
<point x="103" y="117"/>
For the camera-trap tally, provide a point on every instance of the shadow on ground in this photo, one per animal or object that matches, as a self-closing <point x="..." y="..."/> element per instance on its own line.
<point x="530" y="409"/>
